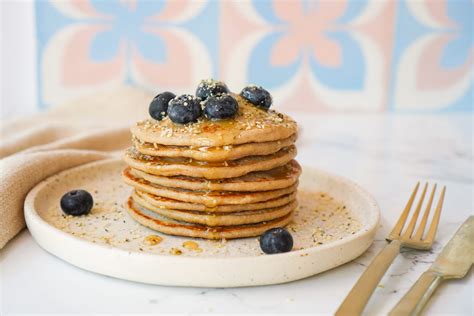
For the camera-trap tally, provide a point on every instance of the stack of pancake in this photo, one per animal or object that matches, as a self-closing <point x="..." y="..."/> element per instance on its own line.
<point x="214" y="179"/>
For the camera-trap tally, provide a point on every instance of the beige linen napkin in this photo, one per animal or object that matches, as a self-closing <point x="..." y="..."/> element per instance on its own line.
<point x="34" y="148"/>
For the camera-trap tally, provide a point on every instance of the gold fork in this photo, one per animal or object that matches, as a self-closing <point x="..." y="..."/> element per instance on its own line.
<point x="359" y="295"/>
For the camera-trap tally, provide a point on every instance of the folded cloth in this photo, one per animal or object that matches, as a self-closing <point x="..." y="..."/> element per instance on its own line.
<point x="85" y="130"/>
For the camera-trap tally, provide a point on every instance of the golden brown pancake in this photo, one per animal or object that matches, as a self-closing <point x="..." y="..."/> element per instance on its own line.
<point x="163" y="202"/>
<point x="214" y="154"/>
<point x="208" y="198"/>
<point x="215" y="218"/>
<point x="164" y="166"/>
<point x="277" y="178"/>
<point x="173" y="227"/>
<point x="251" y="124"/>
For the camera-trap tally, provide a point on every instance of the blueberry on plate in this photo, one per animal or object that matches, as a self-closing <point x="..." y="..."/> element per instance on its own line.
<point x="184" y="109"/>
<point x="276" y="240"/>
<point x="210" y="87"/>
<point x="159" y="105"/>
<point x="257" y="96"/>
<point x="220" y="107"/>
<point x="77" y="202"/>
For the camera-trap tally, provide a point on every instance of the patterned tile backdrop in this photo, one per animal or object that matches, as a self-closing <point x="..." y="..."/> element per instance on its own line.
<point x="360" y="55"/>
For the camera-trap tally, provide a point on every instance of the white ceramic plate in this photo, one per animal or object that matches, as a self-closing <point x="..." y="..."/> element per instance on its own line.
<point x="335" y="223"/>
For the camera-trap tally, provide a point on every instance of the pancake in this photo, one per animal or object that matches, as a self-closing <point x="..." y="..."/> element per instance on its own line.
<point x="178" y="228"/>
<point x="208" y="198"/>
<point x="277" y="178"/>
<point x="215" y="218"/>
<point x="163" y="202"/>
<point x="251" y="124"/>
<point x="213" y="154"/>
<point x="164" y="166"/>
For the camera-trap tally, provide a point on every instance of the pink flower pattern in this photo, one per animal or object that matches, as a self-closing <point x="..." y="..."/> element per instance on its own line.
<point x="312" y="55"/>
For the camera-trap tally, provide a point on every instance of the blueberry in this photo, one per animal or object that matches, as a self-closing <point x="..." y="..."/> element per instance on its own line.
<point x="184" y="109"/>
<point x="210" y="87"/>
<point x="220" y="107"/>
<point x="276" y="240"/>
<point x="159" y="105"/>
<point x="257" y="96"/>
<point x="77" y="202"/>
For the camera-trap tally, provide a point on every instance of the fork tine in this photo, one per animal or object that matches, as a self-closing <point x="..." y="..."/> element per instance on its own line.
<point x="434" y="223"/>
<point x="411" y="226"/>
<point x="421" y="229"/>
<point x="403" y="217"/>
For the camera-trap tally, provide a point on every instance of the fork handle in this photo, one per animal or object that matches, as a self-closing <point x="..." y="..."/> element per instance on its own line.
<point x="418" y="295"/>
<point x="361" y="292"/>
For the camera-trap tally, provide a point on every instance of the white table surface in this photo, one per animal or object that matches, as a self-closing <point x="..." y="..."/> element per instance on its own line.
<point x="384" y="154"/>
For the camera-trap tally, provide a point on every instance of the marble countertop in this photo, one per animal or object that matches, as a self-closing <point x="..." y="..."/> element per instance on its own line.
<point x="385" y="154"/>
